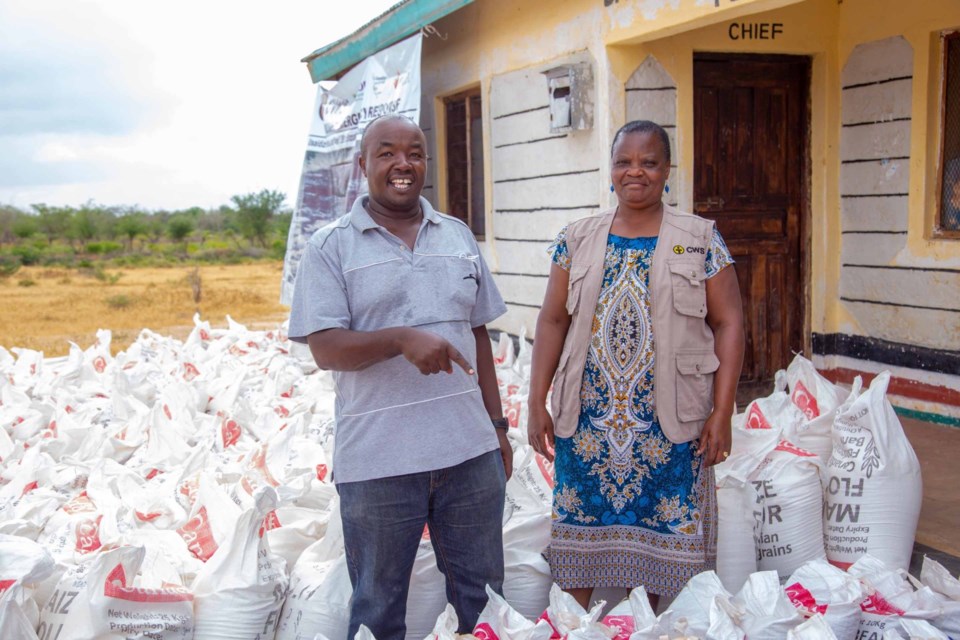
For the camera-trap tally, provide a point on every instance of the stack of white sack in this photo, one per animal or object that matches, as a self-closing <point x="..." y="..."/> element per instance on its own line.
<point x="160" y="493"/>
<point x="821" y="603"/>
<point x="201" y="471"/>
<point x="811" y="474"/>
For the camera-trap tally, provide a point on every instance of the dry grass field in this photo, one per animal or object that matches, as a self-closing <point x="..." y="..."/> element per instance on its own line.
<point x="45" y="308"/>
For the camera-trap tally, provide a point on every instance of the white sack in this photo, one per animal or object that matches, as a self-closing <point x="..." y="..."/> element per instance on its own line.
<point x="935" y="575"/>
<point x="768" y="614"/>
<point x="874" y="490"/>
<point x="819" y="588"/>
<point x="921" y="630"/>
<point x="239" y="592"/>
<point x="14" y="623"/>
<point x="695" y="601"/>
<point x="526" y="533"/>
<point x="97" y="600"/>
<point x="566" y="615"/>
<point x="816" y="628"/>
<point x="318" y="600"/>
<point x="500" y="621"/>
<point x="788" y="509"/>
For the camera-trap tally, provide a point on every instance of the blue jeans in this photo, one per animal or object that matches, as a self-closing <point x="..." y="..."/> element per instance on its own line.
<point x="383" y="522"/>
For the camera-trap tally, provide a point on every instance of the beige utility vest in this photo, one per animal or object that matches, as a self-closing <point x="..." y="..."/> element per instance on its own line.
<point x="685" y="357"/>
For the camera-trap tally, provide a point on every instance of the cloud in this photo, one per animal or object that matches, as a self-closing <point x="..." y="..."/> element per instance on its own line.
<point x="66" y="87"/>
<point x="168" y="104"/>
<point x="58" y="80"/>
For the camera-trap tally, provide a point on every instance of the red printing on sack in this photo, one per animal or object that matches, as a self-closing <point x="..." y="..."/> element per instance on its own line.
<point x="115" y="586"/>
<point x="625" y="624"/>
<point x="805" y="401"/>
<point x="881" y="606"/>
<point x="79" y="504"/>
<point x="484" y="631"/>
<point x="230" y="432"/>
<point x="199" y="536"/>
<point x="545" y="616"/>
<point x="789" y="447"/>
<point x="756" y="419"/>
<point x="546" y="468"/>
<point x="88" y="535"/>
<point x="803" y="599"/>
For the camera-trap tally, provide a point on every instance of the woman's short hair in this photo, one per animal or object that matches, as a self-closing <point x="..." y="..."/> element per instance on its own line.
<point x="642" y="126"/>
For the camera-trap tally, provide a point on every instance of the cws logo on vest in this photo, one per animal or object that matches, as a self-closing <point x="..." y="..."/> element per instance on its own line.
<point x="680" y="250"/>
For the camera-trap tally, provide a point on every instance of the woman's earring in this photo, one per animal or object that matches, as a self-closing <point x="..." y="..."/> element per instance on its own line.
<point x="611" y="188"/>
<point x="666" y="188"/>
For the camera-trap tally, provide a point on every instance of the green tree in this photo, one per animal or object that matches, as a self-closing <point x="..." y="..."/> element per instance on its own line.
<point x="179" y="229"/>
<point x="131" y="225"/>
<point x="84" y="225"/>
<point x="54" y="222"/>
<point x="8" y="216"/>
<point x="25" y="226"/>
<point x="255" y="211"/>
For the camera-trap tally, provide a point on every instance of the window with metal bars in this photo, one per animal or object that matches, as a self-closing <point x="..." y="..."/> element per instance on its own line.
<point x="948" y="220"/>
<point x="464" y="128"/>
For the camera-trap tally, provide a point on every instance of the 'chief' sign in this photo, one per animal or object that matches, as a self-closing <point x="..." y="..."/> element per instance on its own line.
<point x="755" y="30"/>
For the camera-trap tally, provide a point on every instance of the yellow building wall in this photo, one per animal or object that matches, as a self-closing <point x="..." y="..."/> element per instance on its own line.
<point x="491" y="37"/>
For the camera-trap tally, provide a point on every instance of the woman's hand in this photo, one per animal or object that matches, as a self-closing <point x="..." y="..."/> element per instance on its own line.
<point x="540" y="429"/>
<point x="715" y="439"/>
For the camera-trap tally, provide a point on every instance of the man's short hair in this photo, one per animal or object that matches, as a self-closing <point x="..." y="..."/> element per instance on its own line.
<point x="389" y="116"/>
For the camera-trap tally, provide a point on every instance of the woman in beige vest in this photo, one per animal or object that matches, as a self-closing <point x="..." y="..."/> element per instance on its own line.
<point x="641" y="336"/>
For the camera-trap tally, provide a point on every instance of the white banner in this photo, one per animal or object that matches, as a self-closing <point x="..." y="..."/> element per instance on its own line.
<point x="385" y="83"/>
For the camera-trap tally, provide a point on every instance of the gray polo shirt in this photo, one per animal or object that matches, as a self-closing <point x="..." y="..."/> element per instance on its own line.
<point x="391" y="419"/>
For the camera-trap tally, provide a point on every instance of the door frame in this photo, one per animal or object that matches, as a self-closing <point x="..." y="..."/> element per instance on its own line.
<point x="805" y="240"/>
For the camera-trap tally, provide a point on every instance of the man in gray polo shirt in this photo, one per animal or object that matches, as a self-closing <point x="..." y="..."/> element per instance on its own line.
<point x="387" y="296"/>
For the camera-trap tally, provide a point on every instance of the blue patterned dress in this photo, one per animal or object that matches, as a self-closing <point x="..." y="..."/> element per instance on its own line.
<point x="630" y="507"/>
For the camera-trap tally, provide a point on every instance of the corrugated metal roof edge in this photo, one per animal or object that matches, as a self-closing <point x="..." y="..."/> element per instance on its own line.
<point x="394" y="24"/>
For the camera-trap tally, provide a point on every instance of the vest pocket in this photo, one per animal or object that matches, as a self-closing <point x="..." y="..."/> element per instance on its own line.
<point x="575" y="286"/>
<point x="689" y="288"/>
<point x="695" y="370"/>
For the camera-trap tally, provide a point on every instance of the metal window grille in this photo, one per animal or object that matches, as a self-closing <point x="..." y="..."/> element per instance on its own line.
<point x="464" y="128"/>
<point x="948" y="223"/>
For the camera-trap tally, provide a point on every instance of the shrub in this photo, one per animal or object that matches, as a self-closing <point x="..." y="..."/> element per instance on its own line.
<point x="278" y="249"/>
<point x="102" y="248"/>
<point x="28" y="255"/>
<point x="120" y="301"/>
<point x="9" y="265"/>
<point x="27" y="282"/>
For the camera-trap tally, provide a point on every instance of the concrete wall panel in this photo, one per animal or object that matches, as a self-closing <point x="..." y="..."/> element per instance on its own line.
<point x="878" y="60"/>
<point x="544" y="157"/>
<point x="523" y="289"/>
<point x="541" y="225"/>
<point x="875" y="214"/>
<point x="874" y="141"/>
<point x="576" y="189"/>
<point x="877" y="102"/>
<point x="904" y="286"/>
<point x="876" y="178"/>
<point x="869" y="248"/>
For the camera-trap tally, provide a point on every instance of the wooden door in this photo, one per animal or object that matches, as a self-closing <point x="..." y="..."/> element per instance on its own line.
<point x="750" y="175"/>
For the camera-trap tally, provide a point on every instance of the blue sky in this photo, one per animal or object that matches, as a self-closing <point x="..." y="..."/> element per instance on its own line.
<point x="163" y="105"/>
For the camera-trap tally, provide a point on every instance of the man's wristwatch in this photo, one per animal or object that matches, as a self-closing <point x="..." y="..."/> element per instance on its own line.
<point x="500" y="423"/>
